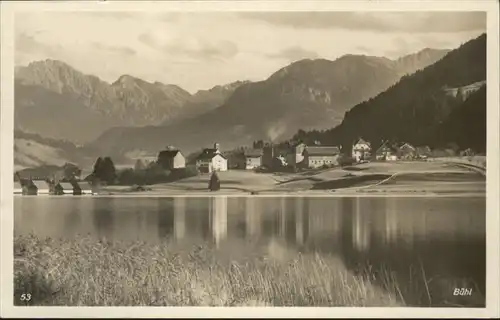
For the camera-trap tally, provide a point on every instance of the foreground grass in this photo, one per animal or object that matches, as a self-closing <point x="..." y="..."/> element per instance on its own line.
<point x="88" y="272"/>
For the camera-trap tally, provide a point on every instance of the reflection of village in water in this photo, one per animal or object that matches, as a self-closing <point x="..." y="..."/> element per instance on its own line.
<point x="447" y="234"/>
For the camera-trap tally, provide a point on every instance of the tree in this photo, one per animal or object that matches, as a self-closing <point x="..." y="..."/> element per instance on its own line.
<point x="71" y="171"/>
<point x="259" y="144"/>
<point x="97" y="167"/>
<point x="139" y="165"/>
<point x="109" y="170"/>
<point x="104" y="170"/>
<point x="214" y="183"/>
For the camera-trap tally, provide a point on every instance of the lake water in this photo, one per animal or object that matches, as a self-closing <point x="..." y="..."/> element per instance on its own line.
<point x="446" y="235"/>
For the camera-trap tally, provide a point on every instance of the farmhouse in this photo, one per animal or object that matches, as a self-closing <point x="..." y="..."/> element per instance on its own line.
<point x="42" y="187"/>
<point x="27" y="187"/>
<point x="316" y="156"/>
<point x="253" y="158"/>
<point x="361" y="150"/>
<point x="407" y="151"/>
<point x="171" y="159"/>
<point x="64" y="188"/>
<point x="211" y="159"/>
<point x="386" y="152"/>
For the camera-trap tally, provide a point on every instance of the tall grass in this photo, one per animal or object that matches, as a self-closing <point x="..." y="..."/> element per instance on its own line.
<point x="89" y="272"/>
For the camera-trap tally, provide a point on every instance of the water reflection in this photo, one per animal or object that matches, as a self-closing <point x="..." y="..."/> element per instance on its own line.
<point x="218" y="218"/>
<point x="179" y="218"/>
<point x="445" y="234"/>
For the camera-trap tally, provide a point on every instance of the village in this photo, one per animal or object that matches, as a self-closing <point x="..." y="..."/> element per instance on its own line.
<point x="261" y="158"/>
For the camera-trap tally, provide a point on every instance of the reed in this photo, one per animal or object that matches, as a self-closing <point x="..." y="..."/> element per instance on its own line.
<point x="85" y="271"/>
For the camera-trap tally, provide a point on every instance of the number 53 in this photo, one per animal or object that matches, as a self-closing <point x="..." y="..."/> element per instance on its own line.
<point x="26" y="297"/>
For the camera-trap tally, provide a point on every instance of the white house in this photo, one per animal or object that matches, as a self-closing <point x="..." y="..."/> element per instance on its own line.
<point x="386" y="152"/>
<point x="407" y="151"/>
<point x="211" y="159"/>
<point x="361" y="150"/>
<point x="171" y="159"/>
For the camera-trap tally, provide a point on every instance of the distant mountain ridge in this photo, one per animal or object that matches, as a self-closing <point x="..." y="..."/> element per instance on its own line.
<point x="55" y="100"/>
<point x="306" y="94"/>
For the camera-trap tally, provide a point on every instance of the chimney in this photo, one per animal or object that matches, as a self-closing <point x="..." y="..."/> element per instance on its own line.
<point x="216" y="146"/>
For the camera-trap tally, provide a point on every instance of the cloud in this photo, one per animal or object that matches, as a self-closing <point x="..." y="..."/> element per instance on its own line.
<point x="192" y="47"/>
<point x="294" y="53"/>
<point x="118" y="15"/>
<point x="149" y="41"/>
<point x="27" y="44"/>
<point x="121" y="50"/>
<point x="363" y="49"/>
<point x="421" y="22"/>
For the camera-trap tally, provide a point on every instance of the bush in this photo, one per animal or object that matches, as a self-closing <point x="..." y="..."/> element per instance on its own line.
<point x="153" y="175"/>
<point x="345" y="160"/>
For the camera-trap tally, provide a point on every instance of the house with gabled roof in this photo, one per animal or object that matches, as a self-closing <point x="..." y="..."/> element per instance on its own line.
<point x="64" y="188"/>
<point x="211" y="159"/>
<point x="253" y="158"/>
<point x="406" y="151"/>
<point x="43" y="187"/>
<point x="319" y="156"/>
<point x="171" y="159"/>
<point x="361" y="150"/>
<point x="24" y="187"/>
<point x="386" y="152"/>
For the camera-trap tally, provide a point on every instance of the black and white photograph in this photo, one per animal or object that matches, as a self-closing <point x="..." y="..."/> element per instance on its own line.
<point x="229" y="154"/>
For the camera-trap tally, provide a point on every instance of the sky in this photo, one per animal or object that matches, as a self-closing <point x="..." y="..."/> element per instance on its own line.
<point x="199" y="50"/>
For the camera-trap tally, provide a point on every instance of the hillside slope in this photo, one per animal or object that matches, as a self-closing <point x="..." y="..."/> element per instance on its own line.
<point x="31" y="150"/>
<point x="466" y="124"/>
<point x="414" y="108"/>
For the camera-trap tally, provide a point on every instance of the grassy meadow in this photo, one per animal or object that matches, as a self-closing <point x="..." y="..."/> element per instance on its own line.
<point x="89" y="272"/>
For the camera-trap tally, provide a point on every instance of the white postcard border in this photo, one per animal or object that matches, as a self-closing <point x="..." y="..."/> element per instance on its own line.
<point x="8" y="8"/>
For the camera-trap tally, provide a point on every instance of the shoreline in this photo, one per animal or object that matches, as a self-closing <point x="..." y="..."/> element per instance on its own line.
<point x="321" y="194"/>
<point x="375" y="179"/>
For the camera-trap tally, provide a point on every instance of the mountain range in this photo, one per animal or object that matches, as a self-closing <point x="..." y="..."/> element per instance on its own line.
<point x="305" y="94"/>
<point x="130" y="115"/>
<point x="57" y="101"/>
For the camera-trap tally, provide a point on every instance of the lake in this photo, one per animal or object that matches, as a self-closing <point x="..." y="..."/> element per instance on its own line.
<point x="443" y="236"/>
